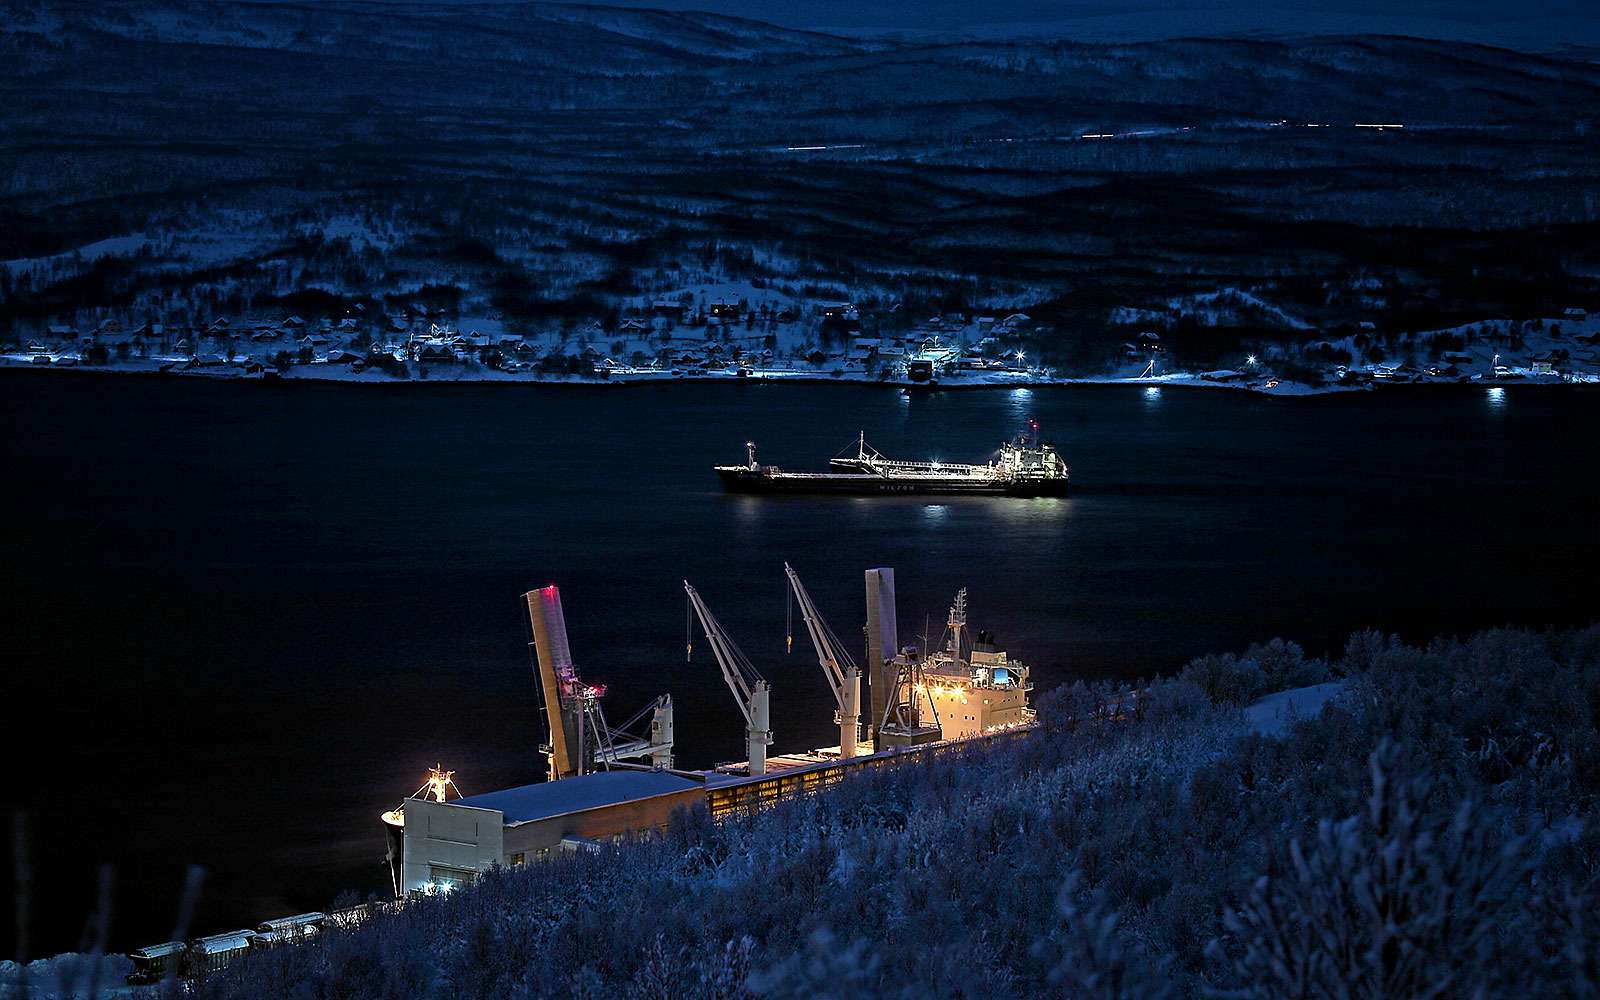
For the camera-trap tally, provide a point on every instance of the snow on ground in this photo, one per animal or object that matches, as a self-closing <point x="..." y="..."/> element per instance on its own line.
<point x="115" y="246"/>
<point x="68" y="977"/>
<point x="732" y="292"/>
<point x="1274" y="714"/>
<point x="356" y="230"/>
<point x="219" y="246"/>
<point x="482" y="326"/>
<point x="622" y="373"/>
<point x="1228" y="305"/>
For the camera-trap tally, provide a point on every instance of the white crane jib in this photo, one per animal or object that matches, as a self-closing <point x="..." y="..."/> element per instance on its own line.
<point x="843" y="677"/>
<point x="748" y="687"/>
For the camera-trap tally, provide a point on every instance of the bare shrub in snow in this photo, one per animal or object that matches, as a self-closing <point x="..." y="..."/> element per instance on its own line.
<point x="1390" y="903"/>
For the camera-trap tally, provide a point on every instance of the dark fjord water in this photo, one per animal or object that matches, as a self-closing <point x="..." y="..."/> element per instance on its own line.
<point x="244" y="618"/>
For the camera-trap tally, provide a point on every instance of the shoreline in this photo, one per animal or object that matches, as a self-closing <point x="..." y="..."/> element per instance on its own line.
<point x="1179" y="380"/>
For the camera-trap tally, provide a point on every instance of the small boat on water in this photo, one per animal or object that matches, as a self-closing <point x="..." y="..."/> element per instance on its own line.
<point x="1025" y="467"/>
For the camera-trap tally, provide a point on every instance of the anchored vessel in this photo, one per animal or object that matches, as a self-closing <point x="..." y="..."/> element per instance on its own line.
<point x="1025" y="468"/>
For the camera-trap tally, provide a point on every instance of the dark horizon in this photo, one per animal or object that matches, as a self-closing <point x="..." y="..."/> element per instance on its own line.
<point x="1543" y="25"/>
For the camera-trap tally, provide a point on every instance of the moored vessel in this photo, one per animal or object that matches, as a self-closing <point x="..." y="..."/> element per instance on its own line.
<point x="908" y="703"/>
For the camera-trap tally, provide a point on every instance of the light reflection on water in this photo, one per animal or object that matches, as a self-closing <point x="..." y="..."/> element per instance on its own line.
<point x="1039" y="520"/>
<point x="1020" y="404"/>
<point x="1497" y="398"/>
<point x="747" y="511"/>
<point x="1152" y="396"/>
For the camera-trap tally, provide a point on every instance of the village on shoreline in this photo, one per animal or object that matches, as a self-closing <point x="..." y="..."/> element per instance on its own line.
<point x="744" y="332"/>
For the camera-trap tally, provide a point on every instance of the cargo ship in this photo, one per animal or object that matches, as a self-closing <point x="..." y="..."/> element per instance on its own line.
<point x="908" y="703"/>
<point x="1025" y="467"/>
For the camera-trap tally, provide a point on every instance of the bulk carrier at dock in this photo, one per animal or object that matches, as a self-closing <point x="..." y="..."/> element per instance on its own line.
<point x="911" y="704"/>
<point x="605" y="783"/>
<point x="1024" y="467"/>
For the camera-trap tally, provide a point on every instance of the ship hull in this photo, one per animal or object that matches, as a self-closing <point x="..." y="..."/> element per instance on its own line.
<point x="742" y="480"/>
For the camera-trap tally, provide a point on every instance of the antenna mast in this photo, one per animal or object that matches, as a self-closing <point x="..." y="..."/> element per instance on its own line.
<point x="957" y="622"/>
<point x="439" y="784"/>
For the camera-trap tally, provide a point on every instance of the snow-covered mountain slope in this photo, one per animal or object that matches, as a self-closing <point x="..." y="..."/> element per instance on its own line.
<point x="549" y="158"/>
<point x="439" y="36"/>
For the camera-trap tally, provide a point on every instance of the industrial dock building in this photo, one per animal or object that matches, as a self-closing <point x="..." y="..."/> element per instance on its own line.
<point x="447" y="844"/>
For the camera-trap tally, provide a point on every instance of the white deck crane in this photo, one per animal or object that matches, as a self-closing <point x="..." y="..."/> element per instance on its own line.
<point x="749" y="689"/>
<point x="843" y="676"/>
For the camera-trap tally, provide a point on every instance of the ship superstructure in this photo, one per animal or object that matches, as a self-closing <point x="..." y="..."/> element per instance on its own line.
<point x="1024" y="466"/>
<point x="970" y="686"/>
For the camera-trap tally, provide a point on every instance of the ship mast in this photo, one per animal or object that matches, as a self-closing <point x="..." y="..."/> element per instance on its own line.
<point x="957" y="622"/>
<point x="439" y="784"/>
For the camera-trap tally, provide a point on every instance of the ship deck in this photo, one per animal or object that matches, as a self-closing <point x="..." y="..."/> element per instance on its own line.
<point x="933" y="468"/>
<point x="731" y="789"/>
<point x="856" y="477"/>
<point x="982" y="476"/>
<point x="780" y="762"/>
